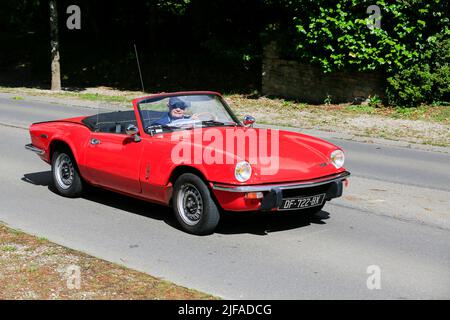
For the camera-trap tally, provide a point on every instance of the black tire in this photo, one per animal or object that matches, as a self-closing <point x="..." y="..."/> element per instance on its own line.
<point x="194" y="208"/>
<point x="66" y="177"/>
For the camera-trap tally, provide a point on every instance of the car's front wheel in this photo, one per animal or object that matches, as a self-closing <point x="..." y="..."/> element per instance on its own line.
<point x="193" y="205"/>
<point x="66" y="178"/>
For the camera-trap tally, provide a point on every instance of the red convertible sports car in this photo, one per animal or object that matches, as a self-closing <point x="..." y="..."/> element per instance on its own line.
<point x="189" y="151"/>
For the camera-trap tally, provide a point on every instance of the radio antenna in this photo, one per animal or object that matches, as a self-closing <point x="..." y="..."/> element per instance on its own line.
<point x="139" y="67"/>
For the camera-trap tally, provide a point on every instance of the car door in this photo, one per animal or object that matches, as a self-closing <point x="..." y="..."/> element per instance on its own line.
<point x="113" y="160"/>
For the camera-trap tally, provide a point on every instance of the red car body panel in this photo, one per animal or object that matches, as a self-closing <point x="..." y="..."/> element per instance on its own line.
<point x="144" y="169"/>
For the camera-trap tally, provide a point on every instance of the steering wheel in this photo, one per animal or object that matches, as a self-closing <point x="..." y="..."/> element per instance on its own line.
<point x="201" y="116"/>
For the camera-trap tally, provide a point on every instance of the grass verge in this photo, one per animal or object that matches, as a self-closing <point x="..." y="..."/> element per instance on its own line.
<point x="34" y="268"/>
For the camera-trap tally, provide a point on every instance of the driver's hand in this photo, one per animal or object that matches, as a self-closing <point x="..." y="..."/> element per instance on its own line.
<point x="194" y="117"/>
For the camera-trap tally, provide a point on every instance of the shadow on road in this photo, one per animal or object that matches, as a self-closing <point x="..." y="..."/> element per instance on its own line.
<point x="109" y="198"/>
<point x="231" y="223"/>
<point x="264" y="223"/>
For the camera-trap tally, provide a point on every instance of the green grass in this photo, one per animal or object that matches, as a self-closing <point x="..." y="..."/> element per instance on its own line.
<point x="123" y="99"/>
<point x="42" y="239"/>
<point x="102" y="97"/>
<point x="409" y="113"/>
<point x="442" y="114"/>
<point x="32" y="268"/>
<point x="9" y="248"/>
<point x="361" y="109"/>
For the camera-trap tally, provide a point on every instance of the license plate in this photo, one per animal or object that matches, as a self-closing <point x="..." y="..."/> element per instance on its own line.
<point x="302" y="202"/>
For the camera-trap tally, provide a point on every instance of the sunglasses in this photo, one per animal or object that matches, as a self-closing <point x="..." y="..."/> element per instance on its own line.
<point x="176" y="106"/>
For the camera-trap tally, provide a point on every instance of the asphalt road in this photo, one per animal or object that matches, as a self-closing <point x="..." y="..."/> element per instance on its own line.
<point x="249" y="257"/>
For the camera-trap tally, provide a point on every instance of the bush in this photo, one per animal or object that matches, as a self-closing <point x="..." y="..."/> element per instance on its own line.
<point x="441" y="70"/>
<point x="410" y="87"/>
<point x="426" y="82"/>
<point x="411" y="48"/>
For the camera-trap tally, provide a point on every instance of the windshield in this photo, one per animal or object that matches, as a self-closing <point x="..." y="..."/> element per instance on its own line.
<point x="185" y="112"/>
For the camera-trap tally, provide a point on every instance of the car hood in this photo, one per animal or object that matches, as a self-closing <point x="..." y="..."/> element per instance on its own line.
<point x="300" y="157"/>
<point x="281" y="156"/>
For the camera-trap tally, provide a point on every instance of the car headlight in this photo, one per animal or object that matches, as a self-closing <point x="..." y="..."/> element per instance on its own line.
<point x="243" y="171"/>
<point x="337" y="158"/>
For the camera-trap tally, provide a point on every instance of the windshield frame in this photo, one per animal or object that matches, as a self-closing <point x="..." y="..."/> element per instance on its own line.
<point x="158" y="97"/>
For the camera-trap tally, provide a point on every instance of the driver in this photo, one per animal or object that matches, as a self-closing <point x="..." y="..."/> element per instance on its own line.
<point x="177" y="109"/>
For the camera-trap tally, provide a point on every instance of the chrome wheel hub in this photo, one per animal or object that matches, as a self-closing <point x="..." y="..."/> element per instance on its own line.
<point x="64" y="171"/>
<point x="190" y="204"/>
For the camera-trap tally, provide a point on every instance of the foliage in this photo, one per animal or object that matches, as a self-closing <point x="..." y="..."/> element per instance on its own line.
<point x="335" y="36"/>
<point x="177" y="7"/>
<point x="424" y="82"/>
<point x="375" y="101"/>
<point x="411" y="86"/>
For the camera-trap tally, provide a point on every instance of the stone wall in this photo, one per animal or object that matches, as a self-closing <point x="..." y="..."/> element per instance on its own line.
<point x="291" y="79"/>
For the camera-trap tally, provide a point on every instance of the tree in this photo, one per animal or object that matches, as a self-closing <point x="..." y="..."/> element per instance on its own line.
<point x="54" y="45"/>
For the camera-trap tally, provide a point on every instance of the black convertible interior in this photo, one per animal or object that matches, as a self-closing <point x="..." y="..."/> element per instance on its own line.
<point x="117" y="121"/>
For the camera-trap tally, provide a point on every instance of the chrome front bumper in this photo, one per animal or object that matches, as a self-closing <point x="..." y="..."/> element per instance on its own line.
<point x="282" y="186"/>
<point x="34" y="149"/>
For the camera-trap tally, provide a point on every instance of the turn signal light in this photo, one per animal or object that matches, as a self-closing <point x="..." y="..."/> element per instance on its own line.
<point x="345" y="181"/>
<point x="254" y="195"/>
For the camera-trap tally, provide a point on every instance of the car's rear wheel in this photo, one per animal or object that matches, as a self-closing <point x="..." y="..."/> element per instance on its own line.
<point x="66" y="178"/>
<point x="193" y="205"/>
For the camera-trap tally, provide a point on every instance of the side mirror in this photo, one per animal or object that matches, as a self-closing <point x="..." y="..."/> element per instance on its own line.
<point x="133" y="132"/>
<point x="249" y="121"/>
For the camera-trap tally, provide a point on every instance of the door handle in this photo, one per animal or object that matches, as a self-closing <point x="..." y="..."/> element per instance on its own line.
<point x="95" y="141"/>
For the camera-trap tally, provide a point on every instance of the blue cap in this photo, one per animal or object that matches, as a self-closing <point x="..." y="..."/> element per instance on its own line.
<point x="176" y="102"/>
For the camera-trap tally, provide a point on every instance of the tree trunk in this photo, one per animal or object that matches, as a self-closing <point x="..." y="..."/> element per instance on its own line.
<point x="54" y="44"/>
